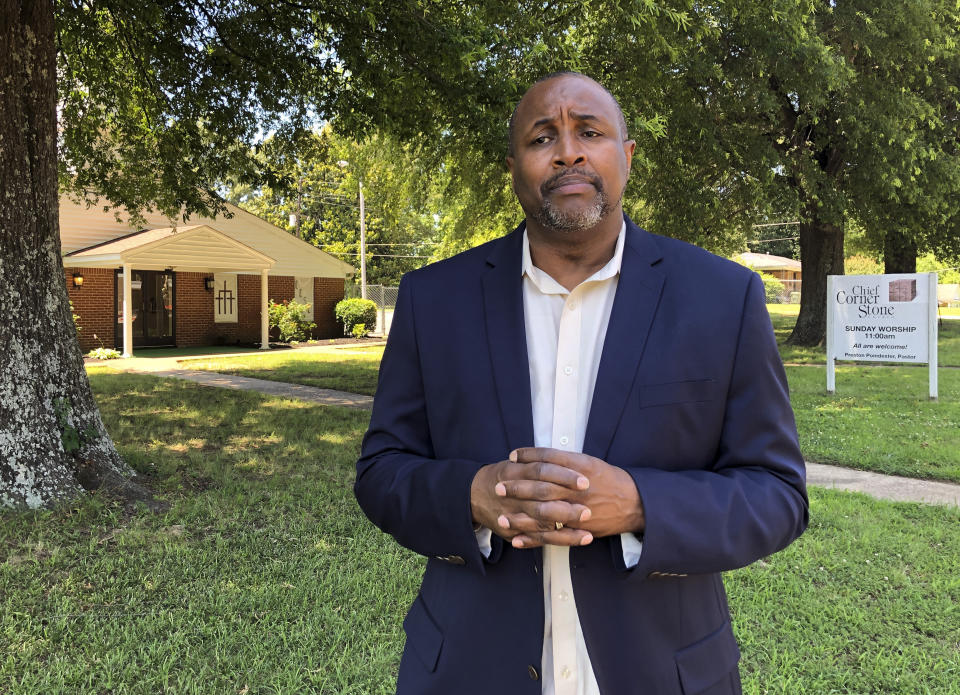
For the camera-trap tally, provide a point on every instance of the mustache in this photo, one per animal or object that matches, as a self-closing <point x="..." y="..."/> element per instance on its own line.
<point x="557" y="178"/>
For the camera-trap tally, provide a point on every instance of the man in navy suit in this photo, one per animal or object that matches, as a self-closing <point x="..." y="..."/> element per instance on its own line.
<point x="581" y="425"/>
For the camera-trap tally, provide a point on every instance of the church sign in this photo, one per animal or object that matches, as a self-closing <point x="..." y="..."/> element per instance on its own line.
<point x="882" y="318"/>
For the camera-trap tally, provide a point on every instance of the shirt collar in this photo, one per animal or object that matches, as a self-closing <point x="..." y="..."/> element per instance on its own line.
<point x="548" y="285"/>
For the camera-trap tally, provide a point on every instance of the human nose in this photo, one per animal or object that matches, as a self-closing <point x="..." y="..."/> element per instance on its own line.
<point x="569" y="151"/>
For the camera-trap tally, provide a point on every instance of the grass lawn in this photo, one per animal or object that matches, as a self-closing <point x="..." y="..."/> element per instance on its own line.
<point x="264" y="577"/>
<point x="783" y="309"/>
<point x="164" y="352"/>
<point x="353" y="369"/>
<point x="948" y="344"/>
<point x="880" y="419"/>
<point x="260" y="574"/>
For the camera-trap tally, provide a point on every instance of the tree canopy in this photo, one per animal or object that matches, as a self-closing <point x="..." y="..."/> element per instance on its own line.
<point x="316" y="178"/>
<point x="835" y="111"/>
<point x="744" y="111"/>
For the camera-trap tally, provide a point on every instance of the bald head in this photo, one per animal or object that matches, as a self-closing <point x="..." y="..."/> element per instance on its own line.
<point x="563" y="74"/>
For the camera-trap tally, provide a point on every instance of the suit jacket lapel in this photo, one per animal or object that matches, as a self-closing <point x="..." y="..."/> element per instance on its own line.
<point x="506" y="336"/>
<point x="638" y="294"/>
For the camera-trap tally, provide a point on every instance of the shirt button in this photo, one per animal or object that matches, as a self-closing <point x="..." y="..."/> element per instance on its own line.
<point x="565" y="673"/>
<point x="563" y="596"/>
<point x="568" y="370"/>
<point x="572" y="304"/>
<point x="564" y="441"/>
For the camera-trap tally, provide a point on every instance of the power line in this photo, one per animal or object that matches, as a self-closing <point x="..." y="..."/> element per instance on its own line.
<point x="340" y="205"/>
<point x="406" y="243"/>
<point x="409" y="243"/>
<point x="372" y="255"/>
<point x="783" y="238"/>
<point x="774" y="224"/>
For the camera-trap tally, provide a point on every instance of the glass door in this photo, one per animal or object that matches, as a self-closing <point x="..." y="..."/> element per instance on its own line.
<point x="153" y="305"/>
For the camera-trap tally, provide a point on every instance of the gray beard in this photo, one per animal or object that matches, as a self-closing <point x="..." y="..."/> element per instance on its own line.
<point x="552" y="217"/>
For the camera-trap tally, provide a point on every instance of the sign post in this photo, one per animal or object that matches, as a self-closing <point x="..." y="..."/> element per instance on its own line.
<point x="932" y="326"/>
<point x="882" y="318"/>
<point x="831" y="337"/>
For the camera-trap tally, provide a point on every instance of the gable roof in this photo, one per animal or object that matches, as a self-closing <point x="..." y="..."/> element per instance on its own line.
<point x="766" y="261"/>
<point x="198" y="248"/>
<point x="85" y="227"/>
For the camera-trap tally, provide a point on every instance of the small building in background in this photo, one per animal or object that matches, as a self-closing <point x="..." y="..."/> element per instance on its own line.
<point x="777" y="266"/>
<point x="191" y="284"/>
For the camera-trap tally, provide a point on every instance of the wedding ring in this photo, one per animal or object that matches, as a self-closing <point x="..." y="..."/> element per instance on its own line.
<point x="559" y="524"/>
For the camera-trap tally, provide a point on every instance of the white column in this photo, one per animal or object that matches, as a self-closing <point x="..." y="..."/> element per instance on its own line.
<point x="264" y="312"/>
<point x="127" y="310"/>
<point x="932" y="327"/>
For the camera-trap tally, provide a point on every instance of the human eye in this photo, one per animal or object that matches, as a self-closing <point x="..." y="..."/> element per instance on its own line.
<point x="541" y="140"/>
<point x="589" y="133"/>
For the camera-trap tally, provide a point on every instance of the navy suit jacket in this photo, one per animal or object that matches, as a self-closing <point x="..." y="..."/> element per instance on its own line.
<point x="690" y="399"/>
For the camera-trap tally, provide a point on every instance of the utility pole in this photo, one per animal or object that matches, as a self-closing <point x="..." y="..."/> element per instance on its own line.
<point x="363" y="248"/>
<point x="299" y="205"/>
<point x="343" y="164"/>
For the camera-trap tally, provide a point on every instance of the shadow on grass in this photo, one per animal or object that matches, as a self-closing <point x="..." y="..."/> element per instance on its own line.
<point x="352" y="371"/>
<point x="172" y="430"/>
<point x="257" y="576"/>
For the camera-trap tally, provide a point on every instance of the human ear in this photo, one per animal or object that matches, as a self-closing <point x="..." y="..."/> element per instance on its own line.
<point x="628" y="147"/>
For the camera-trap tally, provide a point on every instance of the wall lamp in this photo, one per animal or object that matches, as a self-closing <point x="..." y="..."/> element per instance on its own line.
<point x="208" y="284"/>
<point x="78" y="280"/>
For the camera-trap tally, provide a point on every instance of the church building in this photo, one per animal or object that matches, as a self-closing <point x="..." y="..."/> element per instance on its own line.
<point x="204" y="282"/>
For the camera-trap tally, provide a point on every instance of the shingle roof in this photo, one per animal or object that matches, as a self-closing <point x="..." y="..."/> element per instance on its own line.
<point x="766" y="261"/>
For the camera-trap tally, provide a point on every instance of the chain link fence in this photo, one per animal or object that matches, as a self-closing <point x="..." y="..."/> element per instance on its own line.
<point x="384" y="297"/>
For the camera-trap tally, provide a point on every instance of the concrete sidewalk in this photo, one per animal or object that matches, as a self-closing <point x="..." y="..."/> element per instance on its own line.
<point x="171" y="367"/>
<point x="888" y="487"/>
<point x="271" y="388"/>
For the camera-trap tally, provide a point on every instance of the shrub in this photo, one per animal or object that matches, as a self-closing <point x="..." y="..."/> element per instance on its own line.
<point x="350" y="312"/>
<point x="290" y="320"/>
<point x="359" y="330"/>
<point x="861" y="265"/>
<point x="773" y="288"/>
<point x="76" y="319"/>
<point x="102" y="353"/>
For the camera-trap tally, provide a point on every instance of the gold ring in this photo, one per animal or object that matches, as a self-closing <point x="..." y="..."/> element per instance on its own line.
<point x="559" y="524"/>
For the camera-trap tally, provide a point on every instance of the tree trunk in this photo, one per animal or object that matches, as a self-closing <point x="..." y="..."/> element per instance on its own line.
<point x="53" y="444"/>
<point x="899" y="252"/>
<point x="821" y="254"/>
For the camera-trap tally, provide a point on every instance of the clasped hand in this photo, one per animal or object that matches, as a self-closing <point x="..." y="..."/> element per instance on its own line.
<point x="543" y="496"/>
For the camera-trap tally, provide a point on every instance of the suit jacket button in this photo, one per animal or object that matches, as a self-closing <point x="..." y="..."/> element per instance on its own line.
<point x="534" y="676"/>
<point x="455" y="560"/>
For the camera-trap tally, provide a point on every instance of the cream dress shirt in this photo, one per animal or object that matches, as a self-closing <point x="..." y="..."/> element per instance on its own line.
<point x="565" y="332"/>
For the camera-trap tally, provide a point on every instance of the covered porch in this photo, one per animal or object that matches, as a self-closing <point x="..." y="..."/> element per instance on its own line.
<point x="156" y="257"/>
